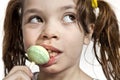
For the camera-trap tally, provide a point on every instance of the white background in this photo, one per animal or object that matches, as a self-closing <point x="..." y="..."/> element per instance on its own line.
<point x="93" y="70"/>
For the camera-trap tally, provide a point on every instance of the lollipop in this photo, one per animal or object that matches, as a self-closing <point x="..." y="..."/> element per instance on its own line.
<point x="38" y="54"/>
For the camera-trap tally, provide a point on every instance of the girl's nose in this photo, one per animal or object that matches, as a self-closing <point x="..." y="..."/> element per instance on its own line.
<point x="50" y="32"/>
<point x="46" y="35"/>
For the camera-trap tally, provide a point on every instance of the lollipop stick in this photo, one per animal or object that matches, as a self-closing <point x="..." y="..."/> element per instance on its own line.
<point x="31" y="65"/>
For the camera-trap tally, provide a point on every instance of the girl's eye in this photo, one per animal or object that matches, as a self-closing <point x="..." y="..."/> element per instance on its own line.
<point x="69" y="18"/>
<point x="35" y="19"/>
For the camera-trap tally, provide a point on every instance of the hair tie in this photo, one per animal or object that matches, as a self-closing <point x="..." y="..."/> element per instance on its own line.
<point x="94" y="3"/>
<point x="95" y="6"/>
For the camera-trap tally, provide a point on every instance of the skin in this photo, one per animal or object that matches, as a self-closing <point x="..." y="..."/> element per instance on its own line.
<point x="19" y="73"/>
<point x="54" y="23"/>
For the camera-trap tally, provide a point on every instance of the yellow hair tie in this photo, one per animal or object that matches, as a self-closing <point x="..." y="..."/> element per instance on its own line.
<point x="94" y="3"/>
<point x="96" y="9"/>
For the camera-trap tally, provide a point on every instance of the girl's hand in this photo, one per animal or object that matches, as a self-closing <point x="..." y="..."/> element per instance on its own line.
<point x="19" y="73"/>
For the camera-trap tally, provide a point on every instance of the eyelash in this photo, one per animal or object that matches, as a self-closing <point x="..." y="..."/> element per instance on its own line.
<point x="70" y="18"/>
<point x="35" y="17"/>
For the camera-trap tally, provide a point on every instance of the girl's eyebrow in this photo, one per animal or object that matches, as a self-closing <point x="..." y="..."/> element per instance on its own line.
<point x="67" y="7"/>
<point x="31" y="11"/>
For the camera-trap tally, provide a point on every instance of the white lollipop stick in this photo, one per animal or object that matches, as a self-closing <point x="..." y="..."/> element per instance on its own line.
<point x="31" y="65"/>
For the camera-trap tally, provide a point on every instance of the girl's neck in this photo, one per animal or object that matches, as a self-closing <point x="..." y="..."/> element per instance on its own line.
<point x="73" y="73"/>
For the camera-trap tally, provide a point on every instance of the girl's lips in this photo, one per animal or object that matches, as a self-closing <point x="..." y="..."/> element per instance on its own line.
<point x="51" y="48"/>
<point x="50" y="62"/>
<point x="52" y="58"/>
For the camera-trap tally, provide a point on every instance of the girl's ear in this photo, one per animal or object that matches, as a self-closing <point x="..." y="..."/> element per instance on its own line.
<point x="88" y="36"/>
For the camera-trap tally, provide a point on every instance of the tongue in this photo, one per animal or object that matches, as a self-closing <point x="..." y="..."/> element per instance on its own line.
<point x="52" y="58"/>
<point x="50" y="62"/>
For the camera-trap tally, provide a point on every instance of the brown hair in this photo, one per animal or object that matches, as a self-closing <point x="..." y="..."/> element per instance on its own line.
<point x="13" y="49"/>
<point x="106" y="34"/>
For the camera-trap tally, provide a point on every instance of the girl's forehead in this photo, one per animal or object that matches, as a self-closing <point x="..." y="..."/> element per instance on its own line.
<point x="48" y="3"/>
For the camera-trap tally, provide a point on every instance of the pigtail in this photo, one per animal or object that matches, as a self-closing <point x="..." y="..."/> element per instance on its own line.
<point x="13" y="50"/>
<point x="106" y="35"/>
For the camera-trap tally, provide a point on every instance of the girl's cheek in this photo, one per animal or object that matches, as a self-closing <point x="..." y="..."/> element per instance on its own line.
<point x="30" y="37"/>
<point x="26" y="43"/>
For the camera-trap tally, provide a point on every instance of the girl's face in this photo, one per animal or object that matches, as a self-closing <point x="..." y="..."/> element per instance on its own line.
<point x="52" y="24"/>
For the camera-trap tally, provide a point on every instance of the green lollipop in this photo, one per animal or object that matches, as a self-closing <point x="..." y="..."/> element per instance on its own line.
<point x="38" y="54"/>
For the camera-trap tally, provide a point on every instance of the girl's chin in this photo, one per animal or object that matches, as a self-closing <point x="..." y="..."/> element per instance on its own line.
<point x="51" y="69"/>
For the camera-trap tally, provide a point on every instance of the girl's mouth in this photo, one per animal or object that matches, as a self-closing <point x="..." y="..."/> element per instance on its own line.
<point x="53" y="58"/>
<point x="53" y="54"/>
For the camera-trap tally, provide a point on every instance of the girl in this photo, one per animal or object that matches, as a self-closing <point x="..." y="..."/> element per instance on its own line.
<point x="63" y="25"/>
